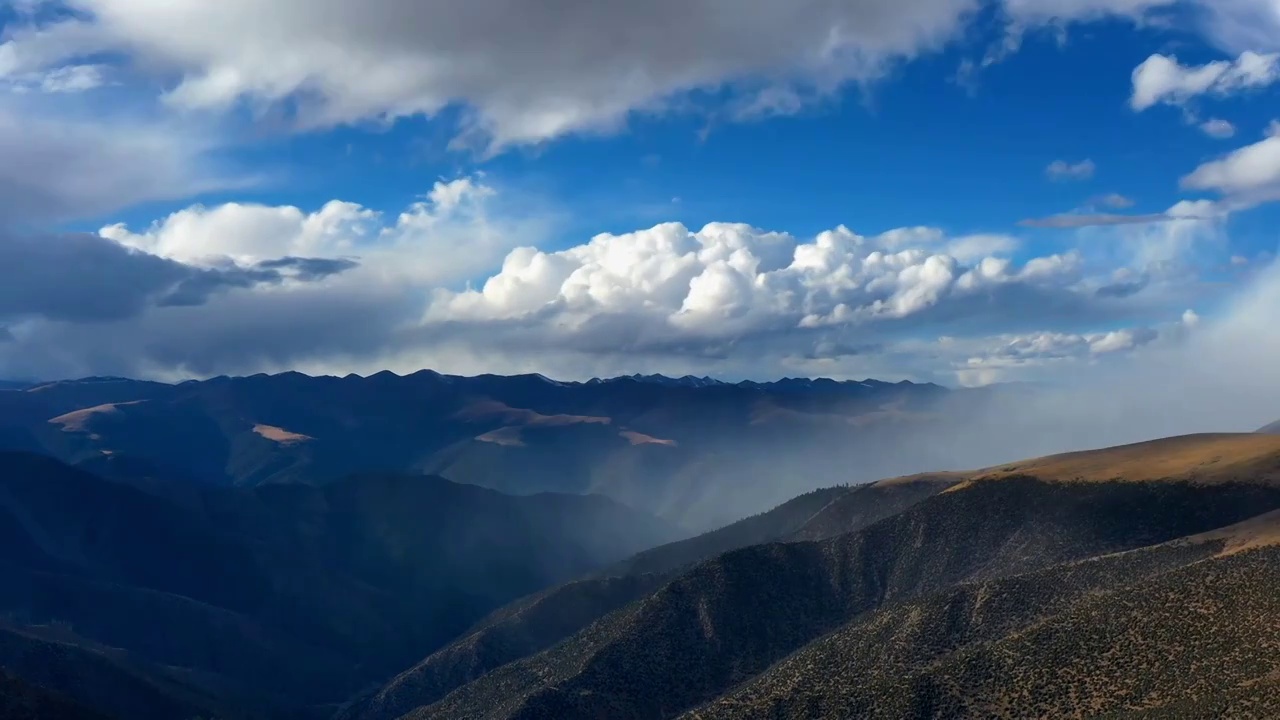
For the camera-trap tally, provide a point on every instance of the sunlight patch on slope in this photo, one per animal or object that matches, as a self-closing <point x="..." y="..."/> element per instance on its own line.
<point x="78" y="420"/>
<point x="1203" y="459"/>
<point x="1257" y="532"/>
<point x="1206" y="458"/>
<point x="280" y="435"/>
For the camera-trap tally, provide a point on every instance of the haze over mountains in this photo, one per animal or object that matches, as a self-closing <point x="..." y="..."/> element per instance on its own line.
<point x="993" y="596"/>
<point x="695" y="451"/>
<point x="284" y="547"/>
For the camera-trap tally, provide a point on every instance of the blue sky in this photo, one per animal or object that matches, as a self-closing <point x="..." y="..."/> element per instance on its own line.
<point x="205" y="141"/>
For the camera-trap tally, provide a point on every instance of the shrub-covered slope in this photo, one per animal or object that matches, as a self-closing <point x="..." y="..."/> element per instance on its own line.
<point x="538" y="622"/>
<point x="731" y="618"/>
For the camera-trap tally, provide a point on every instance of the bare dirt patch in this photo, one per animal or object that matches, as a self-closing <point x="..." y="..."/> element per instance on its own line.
<point x="280" y="435"/>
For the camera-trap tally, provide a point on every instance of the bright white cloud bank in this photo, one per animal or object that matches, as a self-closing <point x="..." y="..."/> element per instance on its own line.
<point x="446" y="235"/>
<point x="458" y="282"/>
<point x="728" y="279"/>
<point x="1246" y="176"/>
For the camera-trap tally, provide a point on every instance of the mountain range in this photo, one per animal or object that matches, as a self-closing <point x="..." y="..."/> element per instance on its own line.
<point x="281" y="596"/>
<point x="697" y="452"/>
<point x="287" y="548"/>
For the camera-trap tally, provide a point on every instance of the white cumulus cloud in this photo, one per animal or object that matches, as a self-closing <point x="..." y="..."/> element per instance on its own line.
<point x="447" y="235"/>
<point x="1162" y="79"/>
<point x="1249" y="174"/>
<point x="668" y="284"/>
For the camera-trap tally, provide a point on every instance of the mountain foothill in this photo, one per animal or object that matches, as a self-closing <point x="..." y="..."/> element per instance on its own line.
<point x="500" y="548"/>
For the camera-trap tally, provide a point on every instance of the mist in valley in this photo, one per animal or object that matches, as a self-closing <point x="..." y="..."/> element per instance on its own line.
<point x="1216" y="374"/>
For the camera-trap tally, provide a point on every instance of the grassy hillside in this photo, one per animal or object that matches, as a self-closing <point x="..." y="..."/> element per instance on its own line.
<point x="1175" y="630"/>
<point x="731" y="618"/>
<point x="20" y="700"/>
<point x="110" y="681"/>
<point x="535" y="623"/>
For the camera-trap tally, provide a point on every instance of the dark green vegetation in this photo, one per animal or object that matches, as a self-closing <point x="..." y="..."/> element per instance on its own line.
<point x="1060" y="594"/>
<point x="20" y="700"/>
<point x="535" y="623"/>
<point x="698" y="454"/>
<point x="248" y="603"/>
<point x="1174" y="630"/>
<point x="108" y="680"/>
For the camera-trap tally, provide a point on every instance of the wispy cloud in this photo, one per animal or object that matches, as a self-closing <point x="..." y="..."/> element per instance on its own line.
<point x="1072" y="220"/>
<point x="1062" y="170"/>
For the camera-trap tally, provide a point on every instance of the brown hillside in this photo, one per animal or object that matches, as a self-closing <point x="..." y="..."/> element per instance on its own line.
<point x="1179" y="630"/>
<point x="728" y="620"/>
<point x="1202" y="459"/>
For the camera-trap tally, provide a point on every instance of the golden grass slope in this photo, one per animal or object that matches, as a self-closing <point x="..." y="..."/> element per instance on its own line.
<point x="79" y="420"/>
<point x="1207" y="459"/>
<point x="1252" y="534"/>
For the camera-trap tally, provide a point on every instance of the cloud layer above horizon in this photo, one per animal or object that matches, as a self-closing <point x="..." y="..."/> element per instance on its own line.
<point x="466" y="278"/>
<point x="238" y="288"/>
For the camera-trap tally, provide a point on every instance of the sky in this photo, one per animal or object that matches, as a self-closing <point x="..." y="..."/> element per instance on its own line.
<point x="955" y="191"/>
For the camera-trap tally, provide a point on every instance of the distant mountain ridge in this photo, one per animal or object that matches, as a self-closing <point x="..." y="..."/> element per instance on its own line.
<point x="697" y="451"/>
<point x="655" y="378"/>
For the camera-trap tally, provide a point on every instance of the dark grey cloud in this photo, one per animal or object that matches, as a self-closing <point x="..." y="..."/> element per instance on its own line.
<point x="304" y="268"/>
<point x="234" y="333"/>
<point x="1123" y="289"/>
<point x="54" y="169"/>
<point x="1143" y="335"/>
<point x="526" y="72"/>
<point x="85" y="278"/>
<point x="80" y="278"/>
